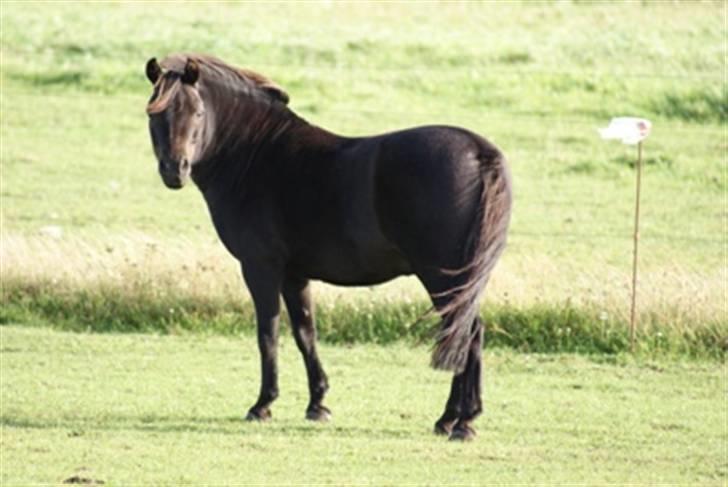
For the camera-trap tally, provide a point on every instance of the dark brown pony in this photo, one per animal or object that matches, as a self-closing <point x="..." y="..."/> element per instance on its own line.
<point x="294" y="202"/>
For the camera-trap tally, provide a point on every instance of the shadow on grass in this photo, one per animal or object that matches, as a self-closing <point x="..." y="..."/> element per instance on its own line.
<point x="79" y="426"/>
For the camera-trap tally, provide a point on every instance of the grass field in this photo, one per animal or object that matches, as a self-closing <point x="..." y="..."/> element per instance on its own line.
<point x="91" y="241"/>
<point x="83" y="209"/>
<point x="146" y="409"/>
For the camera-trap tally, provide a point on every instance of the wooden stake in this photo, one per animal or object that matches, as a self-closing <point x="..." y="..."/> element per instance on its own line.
<point x="633" y="312"/>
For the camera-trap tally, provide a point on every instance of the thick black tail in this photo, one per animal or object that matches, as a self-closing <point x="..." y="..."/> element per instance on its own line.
<point x="486" y="241"/>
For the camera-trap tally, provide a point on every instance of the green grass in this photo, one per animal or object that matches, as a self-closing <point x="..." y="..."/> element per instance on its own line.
<point x="73" y="103"/>
<point x="536" y="78"/>
<point x="126" y="256"/>
<point x="146" y="409"/>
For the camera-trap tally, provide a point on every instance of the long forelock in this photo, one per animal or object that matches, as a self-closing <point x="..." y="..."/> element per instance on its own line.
<point x="165" y="88"/>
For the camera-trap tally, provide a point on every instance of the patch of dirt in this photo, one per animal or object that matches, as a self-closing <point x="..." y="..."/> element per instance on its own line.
<point x="82" y="480"/>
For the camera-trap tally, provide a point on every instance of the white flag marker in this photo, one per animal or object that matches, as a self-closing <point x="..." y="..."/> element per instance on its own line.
<point x="631" y="130"/>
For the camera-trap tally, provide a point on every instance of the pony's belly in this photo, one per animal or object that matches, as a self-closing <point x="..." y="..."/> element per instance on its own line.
<point x="346" y="269"/>
<point x="366" y="278"/>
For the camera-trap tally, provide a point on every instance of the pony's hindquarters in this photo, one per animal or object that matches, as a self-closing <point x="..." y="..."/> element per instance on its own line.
<point x="443" y="196"/>
<point x="485" y="244"/>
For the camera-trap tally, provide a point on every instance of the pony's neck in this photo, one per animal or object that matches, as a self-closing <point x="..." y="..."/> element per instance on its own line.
<point x="244" y="133"/>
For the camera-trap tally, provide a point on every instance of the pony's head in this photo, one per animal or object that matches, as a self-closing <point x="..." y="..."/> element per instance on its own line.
<point x="180" y="123"/>
<point x="176" y="120"/>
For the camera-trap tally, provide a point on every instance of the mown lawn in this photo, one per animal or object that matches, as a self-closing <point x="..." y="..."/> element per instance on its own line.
<point x="146" y="409"/>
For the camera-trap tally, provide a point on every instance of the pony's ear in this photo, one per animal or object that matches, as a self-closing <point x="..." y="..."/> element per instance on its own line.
<point x="192" y="72"/>
<point x="276" y="92"/>
<point x="154" y="71"/>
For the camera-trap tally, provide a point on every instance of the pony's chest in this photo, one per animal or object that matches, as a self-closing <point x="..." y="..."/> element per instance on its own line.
<point x="245" y="234"/>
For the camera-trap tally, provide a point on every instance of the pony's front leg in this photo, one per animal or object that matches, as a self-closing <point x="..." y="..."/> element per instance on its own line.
<point x="297" y="296"/>
<point x="264" y="283"/>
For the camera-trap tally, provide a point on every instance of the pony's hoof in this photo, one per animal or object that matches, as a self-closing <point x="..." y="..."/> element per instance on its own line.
<point x="462" y="433"/>
<point x="444" y="428"/>
<point x="258" y="415"/>
<point x="318" y="413"/>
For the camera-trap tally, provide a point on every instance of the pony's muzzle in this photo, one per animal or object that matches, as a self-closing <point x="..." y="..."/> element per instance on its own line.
<point x="174" y="174"/>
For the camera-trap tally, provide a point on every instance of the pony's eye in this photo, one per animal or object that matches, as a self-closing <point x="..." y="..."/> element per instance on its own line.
<point x="199" y="114"/>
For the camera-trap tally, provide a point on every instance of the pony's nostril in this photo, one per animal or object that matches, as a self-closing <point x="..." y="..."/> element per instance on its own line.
<point x="185" y="164"/>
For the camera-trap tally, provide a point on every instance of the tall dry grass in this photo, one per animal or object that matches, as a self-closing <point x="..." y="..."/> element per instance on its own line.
<point x="140" y="282"/>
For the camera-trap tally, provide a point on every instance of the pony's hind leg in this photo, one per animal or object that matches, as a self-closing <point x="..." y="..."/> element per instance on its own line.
<point x="444" y="425"/>
<point x="464" y="403"/>
<point x="297" y="296"/>
<point x="470" y="392"/>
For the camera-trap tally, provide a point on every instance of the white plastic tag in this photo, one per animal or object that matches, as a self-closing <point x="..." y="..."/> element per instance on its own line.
<point x="629" y="130"/>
